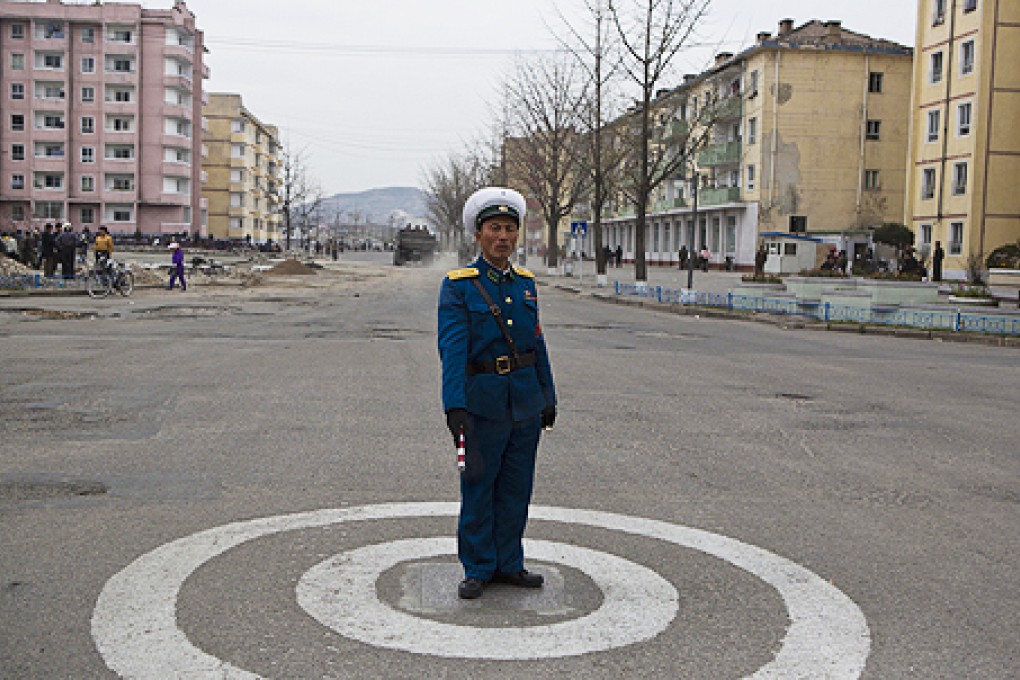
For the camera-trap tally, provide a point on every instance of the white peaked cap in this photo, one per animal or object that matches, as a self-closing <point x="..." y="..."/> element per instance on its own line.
<point x="491" y="197"/>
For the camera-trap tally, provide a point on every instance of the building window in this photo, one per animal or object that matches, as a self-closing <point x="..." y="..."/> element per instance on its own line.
<point x="51" y="30"/>
<point x="88" y="215"/>
<point x="49" y="210"/>
<point x="17" y="31"/>
<point x="956" y="238"/>
<point x="88" y="94"/>
<point x="50" y="60"/>
<point x="874" y="130"/>
<point x="17" y="181"/>
<point x="237" y="150"/>
<point x="969" y="5"/>
<point x="121" y="35"/>
<point x="120" y="123"/>
<point x="925" y="236"/>
<point x="121" y="183"/>
<point x="120" y="64"/>
<point x="17" y="152"/>
<point x="798" y="224"/>
<point x="237" y="126"/>
<point x="872" y="180"/>
<point x="963" y="116"/>
<point x="88" y="183"/>
<point x="236" y="175"/>
<point x="17" y="62"/>
<point x="49" y="150"/>
<point x="933" y="125"/>
<point x="49" y="180"/>
<point x="928" y="184"/>
<point x="120" y="152"/>
<point x="119" y="213"/>
<point x="88" y="125"/>
<point x="17" y="90"/>
<point x="875" y="83"/>
<point x="236" y="200"/>
<point x="88" y="154"/>
<point x="17" y="122"/>
<point x="938" y="14"/>
<point x="936" y="68"/>
<point x="967" y="58"/>
<point x="752" y="131"/>
<point x="17" y="212"/>
<point x="731" y="235"/>
<point x="88" y="64"/>
<point x="959" y="179"/>
<point x="88" y="34"/>
<point x="50" y="121"/>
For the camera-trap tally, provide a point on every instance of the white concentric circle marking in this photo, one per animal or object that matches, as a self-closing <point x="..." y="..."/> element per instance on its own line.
<point x="134" y="624"/>
<point x="339" y="593"/>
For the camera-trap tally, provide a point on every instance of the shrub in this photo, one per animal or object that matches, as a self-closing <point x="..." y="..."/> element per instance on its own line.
<point x="894" y="234"/>
<point x="1005" y="257"/>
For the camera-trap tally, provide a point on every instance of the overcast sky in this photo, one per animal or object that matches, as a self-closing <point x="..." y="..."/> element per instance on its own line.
<point x="376" y="90"/>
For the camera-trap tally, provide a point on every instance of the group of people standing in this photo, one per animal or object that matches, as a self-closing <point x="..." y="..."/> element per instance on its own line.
<point x="45" y="249"/>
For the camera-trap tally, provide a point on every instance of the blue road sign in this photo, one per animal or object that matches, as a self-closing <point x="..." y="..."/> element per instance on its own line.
<point x="579" y="228"/>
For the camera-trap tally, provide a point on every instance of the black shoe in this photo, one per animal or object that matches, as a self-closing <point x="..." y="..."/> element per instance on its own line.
<point x="522" y="579"/>
<point x="470" y="588"/>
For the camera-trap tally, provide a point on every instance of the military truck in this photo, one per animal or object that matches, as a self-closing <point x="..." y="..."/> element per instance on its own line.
<point x="414" y="244"/>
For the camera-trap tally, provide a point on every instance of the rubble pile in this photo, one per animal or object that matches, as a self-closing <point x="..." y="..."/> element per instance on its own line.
<point x="9" y="267"/>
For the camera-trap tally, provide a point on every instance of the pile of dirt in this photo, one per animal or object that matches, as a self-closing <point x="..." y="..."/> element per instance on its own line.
<point x="290" y="268"/>
<point x="9" y="267"/>
<point x="149" y="277"/>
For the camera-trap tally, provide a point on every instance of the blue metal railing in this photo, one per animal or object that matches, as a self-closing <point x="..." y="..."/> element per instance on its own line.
<point x="38" y="281"/>
<point x="927" y="319"/>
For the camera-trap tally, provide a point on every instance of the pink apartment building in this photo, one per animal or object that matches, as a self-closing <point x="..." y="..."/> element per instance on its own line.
<point x="101" y="117"/>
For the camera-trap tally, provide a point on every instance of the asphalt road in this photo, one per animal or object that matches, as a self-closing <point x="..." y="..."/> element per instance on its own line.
<point x="877" y="475"/>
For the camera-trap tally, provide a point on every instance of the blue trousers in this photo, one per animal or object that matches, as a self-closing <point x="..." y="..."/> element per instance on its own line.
<point x="178" y="274"/>
<point x="495" y="491"/>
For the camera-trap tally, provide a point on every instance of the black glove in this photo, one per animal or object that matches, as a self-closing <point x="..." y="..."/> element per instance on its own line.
<point x="548" y="417"/>
<point x="457" y="420"/>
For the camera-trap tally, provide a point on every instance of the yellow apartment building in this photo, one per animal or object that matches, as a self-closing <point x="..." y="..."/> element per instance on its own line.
<point x="809" y="131"/>
<point x="242" y="167"/>
<point x="965" y="140"/>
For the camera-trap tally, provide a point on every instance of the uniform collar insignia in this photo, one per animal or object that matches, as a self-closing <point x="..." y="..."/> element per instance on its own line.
<point x="493" y="275"/>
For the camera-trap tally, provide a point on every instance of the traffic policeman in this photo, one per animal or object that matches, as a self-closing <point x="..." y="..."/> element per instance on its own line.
<point x="497" y="389"/>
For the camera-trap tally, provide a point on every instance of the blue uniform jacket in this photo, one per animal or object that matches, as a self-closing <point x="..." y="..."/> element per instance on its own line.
<point x="468" y="332"/>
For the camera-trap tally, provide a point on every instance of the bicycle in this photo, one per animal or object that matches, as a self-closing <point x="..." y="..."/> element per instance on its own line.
<point x="109" y="276"/>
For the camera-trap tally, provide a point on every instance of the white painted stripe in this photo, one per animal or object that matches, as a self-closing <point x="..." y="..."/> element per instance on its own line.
<point x="637" y="605"/>
<point x="135" y="630"/>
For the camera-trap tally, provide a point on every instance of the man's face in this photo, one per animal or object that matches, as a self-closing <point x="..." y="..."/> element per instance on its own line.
<point x="497" y="238"/>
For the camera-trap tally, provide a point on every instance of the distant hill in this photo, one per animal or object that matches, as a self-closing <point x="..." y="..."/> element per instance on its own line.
<point x="375" y="205"/>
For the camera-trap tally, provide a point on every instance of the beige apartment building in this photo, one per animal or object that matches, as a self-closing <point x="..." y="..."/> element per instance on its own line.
<point x="965" y="139"/>
<point x="808" y="134"/>
<point x="242" y="167"/>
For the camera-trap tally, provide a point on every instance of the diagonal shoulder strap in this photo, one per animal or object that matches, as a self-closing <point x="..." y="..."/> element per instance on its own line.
<point x="497" y="314"/>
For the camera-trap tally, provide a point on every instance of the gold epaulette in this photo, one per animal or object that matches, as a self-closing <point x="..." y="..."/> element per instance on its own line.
<point x="465" y="273"/>
<point x="524" y="272"/>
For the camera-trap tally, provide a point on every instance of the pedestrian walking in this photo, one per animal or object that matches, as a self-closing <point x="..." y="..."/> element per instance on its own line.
<point x="705" y="255"/>
<point x="30" y="253"/>
<point x="619" y="255"/>
<point x="497" y="390"/>
<point x="684" y="257"/>
<point x="760" y="258"/>
<point x="177" y="270"/>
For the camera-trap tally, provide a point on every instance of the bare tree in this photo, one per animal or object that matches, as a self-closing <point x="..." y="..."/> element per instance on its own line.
<point x="447" y="187"/>
<point x="595" y="49"/>
<point x="652" y="33"/>
<point x="546" y="150"/>
<point x="302" y="195"/>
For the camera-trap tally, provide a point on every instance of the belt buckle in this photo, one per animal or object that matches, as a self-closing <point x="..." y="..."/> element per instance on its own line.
<point x="502" y="365"/>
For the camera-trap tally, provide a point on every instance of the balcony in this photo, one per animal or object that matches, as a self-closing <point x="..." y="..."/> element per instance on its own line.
<point x="727" y="153"/>
<point x="668" y="204"/>
<point x="727" y="108"/>
<point x="721" y="196"/>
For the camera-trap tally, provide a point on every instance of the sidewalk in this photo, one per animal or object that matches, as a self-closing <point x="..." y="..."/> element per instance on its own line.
<point x="584" y="279"/>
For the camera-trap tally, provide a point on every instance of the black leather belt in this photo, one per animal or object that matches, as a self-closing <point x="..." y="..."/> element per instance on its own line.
<point x="502" y="365"/>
